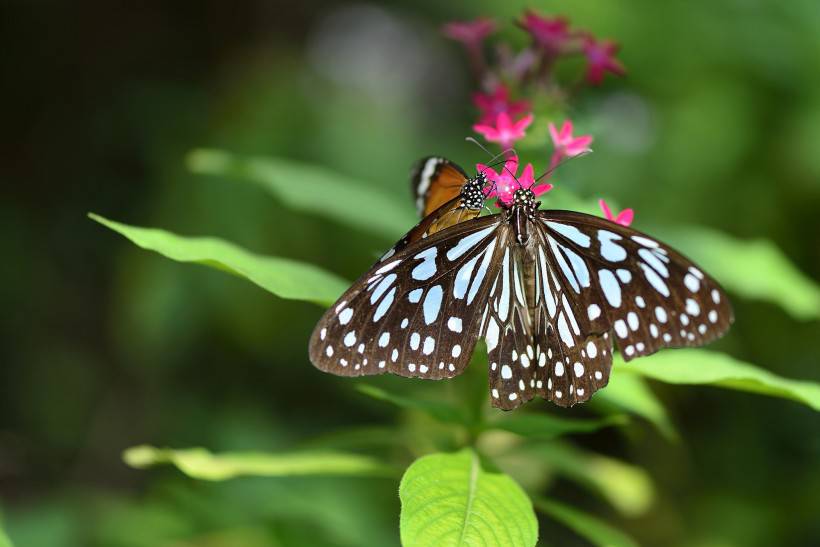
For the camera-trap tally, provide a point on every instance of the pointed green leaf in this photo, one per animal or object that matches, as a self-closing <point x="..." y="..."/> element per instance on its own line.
<point x="753" y="269"/>
<point x="594" y="530"/>
<point x="281" y="276"/>
<point x="199" y="463"/>
<point x="697" y="366"/>
<point x="313" y="189"/>
<point x="451" y="500"/>
<point x="548" y="426"/>
<point x="441" y="411"/>
<point x="629" y="392"/>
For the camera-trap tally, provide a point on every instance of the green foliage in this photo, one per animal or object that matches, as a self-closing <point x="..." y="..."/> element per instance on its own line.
<point x="547" y="426"/>
<point x="752" y="269"/>
<point x="698" y="366"/>
<point x="312" y="189"/>
<point x="442" y="411"/>
<point x="587" y="526"/>
<point x="452" y="500"/>
<point x="4" y="539"/>
<point x="630" y="393"/>
<point x="626" y="487"/>
<point x="283" y="277"/>
<point x="199" y="463"/>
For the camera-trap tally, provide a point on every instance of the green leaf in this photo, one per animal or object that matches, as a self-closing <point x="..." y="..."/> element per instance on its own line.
<point x="441" y="411"/>
<point x="597" y="532"/>
<point x="696" y="366"/>
<point x="626" y="487"/>
<point x="753" y="269"/>
<point x="547" y="426"/>
<point x="199" y="463"/>
<point x="451" y="500"/>
<point x="313" y="189"/>
<point x="630" y="393"/>
<point x="283" y="277"/>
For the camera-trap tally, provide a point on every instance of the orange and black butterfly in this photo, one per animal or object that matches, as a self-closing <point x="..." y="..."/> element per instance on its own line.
<point x="445" y="196"/>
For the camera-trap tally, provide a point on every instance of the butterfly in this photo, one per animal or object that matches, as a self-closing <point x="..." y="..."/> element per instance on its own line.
<point x="550" y="291"/>
<point x="445" y="195"/>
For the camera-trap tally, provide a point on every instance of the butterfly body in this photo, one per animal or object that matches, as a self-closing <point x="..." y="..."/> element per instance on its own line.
<point x="549" y="291"/>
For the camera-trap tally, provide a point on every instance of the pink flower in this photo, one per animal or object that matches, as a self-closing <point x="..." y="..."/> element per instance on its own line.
<point x="506" y="182"/>
<point x="601" y="59"/>
<point x="552" y="34"/>
<point x="469" y="33"/>
<point x="505" y="132"/>
<point x="624" y="218"/>
<point x="565" y="144"/>
<point x="568" y="145"/>
<point x="493" y="104"/>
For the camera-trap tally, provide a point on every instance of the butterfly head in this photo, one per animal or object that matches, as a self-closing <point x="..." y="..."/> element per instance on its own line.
<point x="524" y="198"/>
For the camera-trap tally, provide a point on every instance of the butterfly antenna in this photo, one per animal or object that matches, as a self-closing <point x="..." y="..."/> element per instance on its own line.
<point x="560" y="163"/>
<point x="502" y="153"/>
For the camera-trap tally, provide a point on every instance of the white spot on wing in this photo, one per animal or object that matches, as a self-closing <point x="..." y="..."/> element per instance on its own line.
<point x="454" y="324"/>
<point x="429" y="345"/>
<point x="610" y="287"/>
<point x="432" y="304"/>
<point x="593" y="312"/>
<point x="384" y="305"/>
<point x="427" y="268"/>
<point x="609" y="249"/>
<point x="570" y="232"/>
<point x="344" y="317"/>
<point x="468" y="242"/>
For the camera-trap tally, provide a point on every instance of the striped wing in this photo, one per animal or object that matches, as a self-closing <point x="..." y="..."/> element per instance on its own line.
<point x="416" y="313"/>
<point x="449" y="214"/>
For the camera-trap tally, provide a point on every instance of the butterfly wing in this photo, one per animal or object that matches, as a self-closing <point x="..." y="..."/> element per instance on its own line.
<point x="417" y="313"/>
<point x="598" y="281"/>
<point x="435" y="181"/>
<point x="449" y="214"/>
<point x="508" y="331"/>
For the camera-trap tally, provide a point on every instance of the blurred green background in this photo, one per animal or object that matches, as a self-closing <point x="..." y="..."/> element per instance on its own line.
<point x="105" y="346"/>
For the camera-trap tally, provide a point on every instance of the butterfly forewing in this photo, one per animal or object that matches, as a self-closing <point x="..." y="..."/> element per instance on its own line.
<point x="416" y="313"/>
<point x="435" y="181"/>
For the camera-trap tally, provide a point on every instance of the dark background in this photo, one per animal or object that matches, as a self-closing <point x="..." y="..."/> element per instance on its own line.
<point x="105" y="346"/>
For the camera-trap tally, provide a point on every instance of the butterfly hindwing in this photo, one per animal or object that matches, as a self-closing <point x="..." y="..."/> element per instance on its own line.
<point x="416" y="313"/>
<point x="578" y="353"/>
<point x="508" y="331"/>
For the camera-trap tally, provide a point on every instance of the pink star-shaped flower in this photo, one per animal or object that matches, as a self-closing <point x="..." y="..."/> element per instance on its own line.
<point x="624" y="218"/>
<point x="469" y="33"/>
<point x="505" y="132"/>
<point x="567" y="146"/>
<point x="601" y="59"/>
<point x="552" y="34"/>
<point x="506" y="182"/>
<point x="493" y="104"/>
<point x="564" y="141"/>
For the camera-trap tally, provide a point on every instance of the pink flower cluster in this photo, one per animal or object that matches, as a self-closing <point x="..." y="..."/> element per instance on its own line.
<point x="552" y="38"/>
<point x="504" y="120"/>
